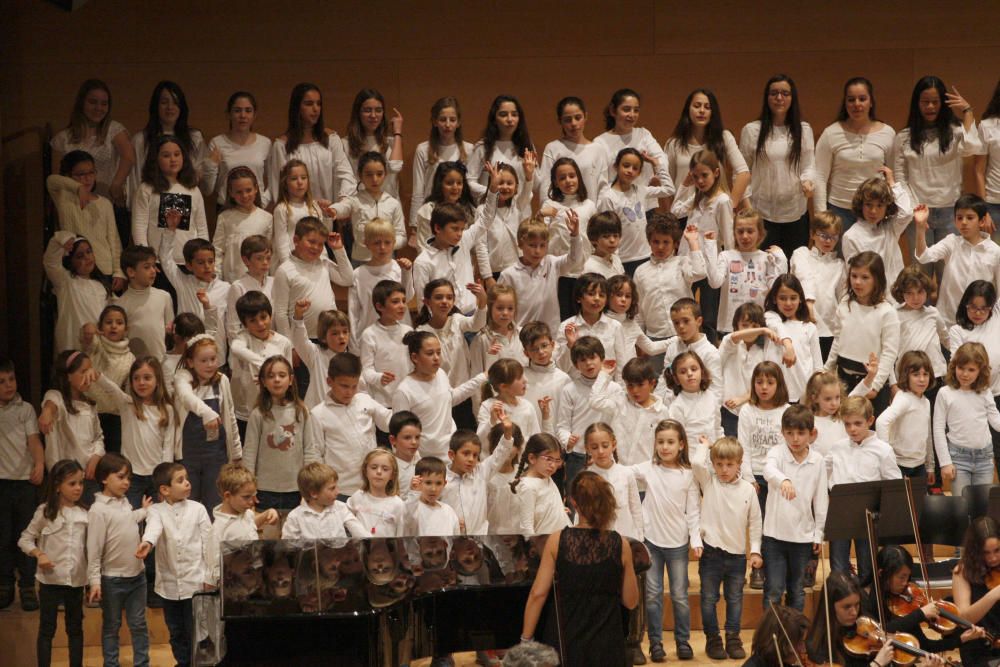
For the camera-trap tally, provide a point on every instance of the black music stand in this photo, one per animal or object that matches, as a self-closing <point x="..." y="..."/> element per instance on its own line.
<point x="845" y="518"/>
<point x="894" y="525"/>
<point x="994" y="502"/>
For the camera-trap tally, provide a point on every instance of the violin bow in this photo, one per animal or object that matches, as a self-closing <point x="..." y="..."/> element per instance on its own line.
<point x="872" y="553"/>
<point x="916" y="535"/>
<point x="777" y="650"/>
<point x="777" y="646"/>
<point x="826" y="603"/>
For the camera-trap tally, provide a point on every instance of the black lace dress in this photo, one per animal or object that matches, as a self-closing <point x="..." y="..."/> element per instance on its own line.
<point x="587" y="590"/>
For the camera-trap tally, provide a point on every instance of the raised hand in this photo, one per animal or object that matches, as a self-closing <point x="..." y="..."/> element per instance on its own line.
<point x="920" y="217"/>
<point x="545" y="405"/>
<point x="529" y="162"/>
<point x="404" y="263"/>
<point x="572" y="222"/>
<point x="301" y="307"/>
<point x="571" y="334"/>
<point x="887" y="173"/>
<point x="494" y="176"/>
<point x="650" y="159"/>
<point x="957" y="103"/>
<point x="203" y="299"/>
<point x="396" y="121"/>
<point x="335" y="241"/>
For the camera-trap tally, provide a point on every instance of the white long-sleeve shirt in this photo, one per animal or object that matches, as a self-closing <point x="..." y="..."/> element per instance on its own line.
<point x="146" y="228"/>
<point x="963" y="264"/>
<point x="577" y="411"/>
<point x="188" y="554"/>
<point x="317" y="359"/>
<point x="393" y="167"/>
<point x="423" y="171"/>
<point x="729" y="510"/>
<point x="149" y="312"/>
<point x="883" y="238"/>
<point x="870" y="460"/>
<point x="709" y="354"/>
<point x="73" y="436"/>
<point x="661" y="282"/>
<point x="605" y="329"/>
<point x="808" y="356"/>
<point x="112" y="538"/>
<point x="248" y="354"/>
<point x="537" y="287"/>
<point x="628" y="514"/>
<point x="963" y="419"/>
<point x="95" y="222"/>
<point x="844" y="160"/>
<point x="362" y="207"/>
<point x="330" y="174"/>
<point x="425" y="520"/>
<point x="348" y="434"/>
<point x="253" y="156"/>
<point x="382" y="351"/>
<point x="671" y="510"/>
<point x="744" y="276"/>
<point x="710" y="214"/>
<point x="699" y="412"/>
<point x="925" y="330"/>
<point x="542" y="509"/>
<point x="987" y="333"/>
<point x="592" y="159"/>
<point x="238" y="288"/>
<point x="932" y="177"/>
<point x="642" y="140"/>
<point x="380" y="517"/>
<point x="145" y="443"/>
<point x="775" y="179"/>
<point x="297" y="279"/>
<point x="467" y="494"/>
<point x="989" y="136"/>
<point x="801" y="519"/>
<point x="634" y="425"/>
<point x="432" y="402"/>
<point x="559" y="231"/>
<point x="499" y="243"/>
<point x="503" y="151"/>
<point x="861" y="330"/>
<point x="759" y="433"/>
<point x="454" y="349"/>
<point x="198" y="156"/>
<point x="231" y="228"/>
<point x="738" y="361"/>
<point x="679" y="158"/>
<point x="336" y="520"/>
<point x="360" y="308"/>
<point x="523" y="415"/>
<point x="286" y="215"/>
<point x="906" y="426"/>
<point x="545" y="381"/>
<point x="631" y="205"/>
<point x="63" y="540"/>
<point x="79" y="299"/>
<point x="824" y="282"/>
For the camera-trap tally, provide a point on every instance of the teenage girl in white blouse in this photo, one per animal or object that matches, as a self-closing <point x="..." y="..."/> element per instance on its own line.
<point x="444" y="145"/>
<point x="590" y="156"/>
<point x="505" y="139"/>
<point x="369" y="130"/>
<point x="240" y="146"/>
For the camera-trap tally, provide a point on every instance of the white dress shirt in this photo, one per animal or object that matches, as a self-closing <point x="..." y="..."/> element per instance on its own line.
<point x="468" y="494"/>
<point x="660" y="283"/>
<point x="454" y="349"/>
<point x="963" y="264"/>
<point x="545" y="381"/>
<point x="360" y="308"/>
<point x="699" y="412"/>
<point x="592" y="159"/>
<point x="348" y="434"/>
<point x="112" y="539"/>
<point x="537" y="287"/>
<point x="73" y="436"/>
<point x="634" y="425"/>
<point x="233" y="527"/>
<point x="336" y="520"/>
<point x="776" y="179"/>
<point x="642" y="140"/>
<point x="801" y="519"/>
<point x="577" y="411"/>
<point x="363" y="207"/>
<point x="906" y="426"/>
<point x="330" y="173"/>
<point x="870" y="460"/>
<point x="424" y="169"/>
<point x="671" y="510"/>
<point x="187" y="553"/>
<point x="923" y="329"/>
<point x="738" y="361"/>
<point x="605" y="329"/>
<point x="64" y="541"/>
<point x="808" y="356"/>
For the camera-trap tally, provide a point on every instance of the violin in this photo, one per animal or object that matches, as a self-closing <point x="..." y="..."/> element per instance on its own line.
<point x="869" y="637"/>
<point x="914" y="598"/>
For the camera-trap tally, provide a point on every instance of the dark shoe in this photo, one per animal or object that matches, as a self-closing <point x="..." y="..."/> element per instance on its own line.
<point x="154" y="601"/>
<point x="29" y="599"/>
<point x="638" y="657"/>
<point x="757" y="578"/>
<point x="656" y="653"/>
<point x="734" y="646"/>
<point x="714" y="648"/>
<point x="809" y="576"/>
<point x="6" y="596"/>
<point x="684" y="651"/>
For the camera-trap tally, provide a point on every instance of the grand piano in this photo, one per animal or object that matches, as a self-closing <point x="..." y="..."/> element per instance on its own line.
<point x="378" y="602"/>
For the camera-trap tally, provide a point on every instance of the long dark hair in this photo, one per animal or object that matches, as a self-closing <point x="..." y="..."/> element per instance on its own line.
<point x="57" y="475"/>
<point x="839" y="585"/>
<point x="971" y="565"/>
<point x="425" y="313"/>
<point x="294" y="132"/>
<point x="993" y="108"/>
<point x="521" y="139"/>
<point x="943" y="124"/>
<point x="983" y="288"/>
<point x="437" y="187"/>
<point x="714" y="132"/>
<point x="78" y="121"/>
<point x="154" y="128"/>
<point x="791" y="281"/>
<point x="434" y="142"/>
<point x="793" y="120"/>
<point x="356" y="134"/>
<point x="858" y="80"/>
<point x="96" y="274"/>
<point x="151" y="173"/>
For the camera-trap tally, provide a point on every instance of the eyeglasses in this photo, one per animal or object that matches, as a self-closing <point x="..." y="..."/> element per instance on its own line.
<point x="977" y="309"/>
<point x="779" y="93"/>
<point x="541" y="347"/>
<point x="552" y="460"/>
<point x="829" y="238"/>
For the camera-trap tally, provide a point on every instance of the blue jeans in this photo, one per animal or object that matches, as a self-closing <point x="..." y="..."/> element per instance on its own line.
<point x="128" y="594"/>
<point x="785" y="563"/>
<point x="279" y="500"/>
<point x="846" y="215"/>
<point x="840" y="558"/>
<point x="178" y="616"/>
<point x="721" y="568"/>
<point x="941" y="223"/>
<point x="675" y="559"/>
<point x="972" y="466"/>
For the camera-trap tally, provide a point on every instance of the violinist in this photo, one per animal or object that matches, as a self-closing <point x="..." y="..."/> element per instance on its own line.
<point x="970" y="584"/>
<point x="895" y="566"/>
<point x="837" y="613"/>
<point x="779" y="640"/>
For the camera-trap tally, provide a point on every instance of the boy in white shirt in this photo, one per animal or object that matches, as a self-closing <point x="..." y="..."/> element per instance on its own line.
<point x="249" y="350"/>
<point x="685" y="316"/>
<point x="967" y="256"/>
<point x="427" y="516"/>
<point x="404" y="437"/>
<point x="235" y="518"/>
<point x="535" y="276"/>
<point x="380" y="238"/>
<point x="255" y="252"/>
<point x="321" y="515"/>
<point x="384" y="357"/>
<point x="345" y="421"/>
<point x="150" y="310"/>
<point x="637" y="411"/>
<point x="545" y="381"/>
<point x="116" y="578"/>
<point x="729" y="511"/>
<point x="862" y="457"/>
<point x="796" y="508"/>
<point x="199" y="260"/>
<point x="187" y="556"/>
<point x="22" y="468"/>
<point x="604" y="231"/>
<point x="468" y="478"/>
<point x="577" y="410"/>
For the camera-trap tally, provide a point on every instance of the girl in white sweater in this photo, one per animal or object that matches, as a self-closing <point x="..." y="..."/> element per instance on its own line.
<point x="506" y="384"/>
<point x="244" y="218"/>
<point x="866" y="324"/>
<point x="787" y="313"/>
<point x="444" y="145"/>
<point x="240" y="146"/>
<point x="906" y="423"/>
<point x="68" y="419"/>
<point x="542" y="509"/>
<point x="823" y="275"/>
<point x="505" y="139"/>
<point x="81" y="288"/>
<point x="603" y="456"/>
<point x="883" y="211"/>
<point x="368" y="203"/>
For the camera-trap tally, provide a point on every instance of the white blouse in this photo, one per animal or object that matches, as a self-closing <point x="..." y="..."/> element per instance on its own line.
<point x="844" y="160"/>
<point x="423" y="171"/>
<point x="592" y="159"/>
<point x="254" y="156"/>
<point x="105" y="154"/>
<point x="330" y="175"/>
<point x="932" y="177"/>
<point x="989" y="136"/>
<point x="391" y="182"/>
<point x="776" y="180"/>
<point x="679" y="158"/>
<point x="642" y="140"/>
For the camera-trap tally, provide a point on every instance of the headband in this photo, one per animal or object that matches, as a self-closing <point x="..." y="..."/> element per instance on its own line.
<point x="71" y="358"/>
<point x="199" y="337"/>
